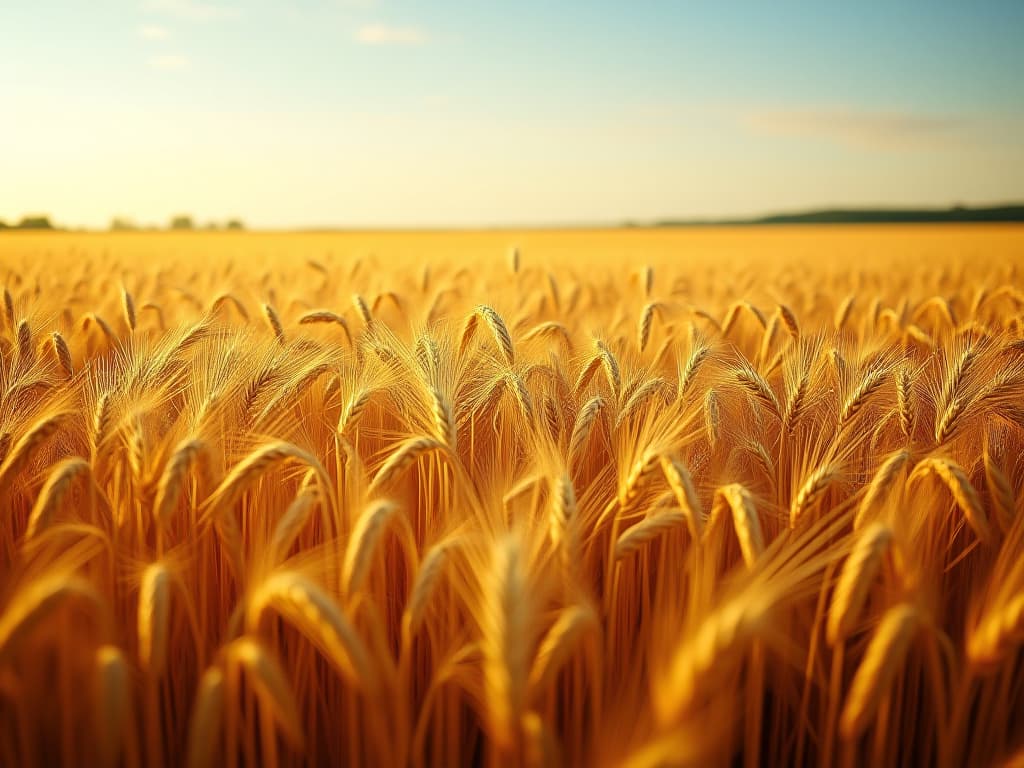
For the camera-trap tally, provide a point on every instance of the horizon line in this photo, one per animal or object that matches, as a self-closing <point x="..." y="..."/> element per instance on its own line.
<point x="1001" y="212"/>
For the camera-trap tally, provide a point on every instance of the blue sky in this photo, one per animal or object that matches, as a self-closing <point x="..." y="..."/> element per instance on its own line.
<point x="382" y="112"/>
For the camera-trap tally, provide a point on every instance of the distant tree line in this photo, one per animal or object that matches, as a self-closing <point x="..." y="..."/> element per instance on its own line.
<point x="120" y="224"/>
<point x="179" y="223"/>
<point x="29" y="222"/>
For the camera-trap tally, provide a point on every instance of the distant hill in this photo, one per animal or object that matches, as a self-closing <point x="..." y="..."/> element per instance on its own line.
<point x="1002" y="213"/>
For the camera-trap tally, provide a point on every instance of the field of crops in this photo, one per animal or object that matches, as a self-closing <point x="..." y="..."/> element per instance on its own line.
<point x="701" y="497"/>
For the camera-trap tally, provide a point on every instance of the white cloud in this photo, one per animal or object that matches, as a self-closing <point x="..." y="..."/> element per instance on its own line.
<point x="170" y="63"/>
<point x="191" y="10"/>
<point x="382" y="34"/>
<point x="153" y="32"/>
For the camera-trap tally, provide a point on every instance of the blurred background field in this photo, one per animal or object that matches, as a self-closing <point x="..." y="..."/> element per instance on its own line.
<point x="774" y="247"/>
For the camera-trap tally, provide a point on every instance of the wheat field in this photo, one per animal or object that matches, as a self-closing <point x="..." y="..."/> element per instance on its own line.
<point x="703" y="497"/>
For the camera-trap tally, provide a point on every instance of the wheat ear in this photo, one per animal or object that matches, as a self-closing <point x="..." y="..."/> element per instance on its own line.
<point x="318" y="618"/>
<point x="855" y="581"/>
<point x="270" y="684"/>
<point x="154" y="618"/>
<point x="955" y="479"/>
<point x="882" y="660"/>
<point x="52" y="493"/>
<point x="363" y="543"/>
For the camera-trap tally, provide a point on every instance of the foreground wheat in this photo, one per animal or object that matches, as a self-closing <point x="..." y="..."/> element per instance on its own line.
<point x="334" y="513"/>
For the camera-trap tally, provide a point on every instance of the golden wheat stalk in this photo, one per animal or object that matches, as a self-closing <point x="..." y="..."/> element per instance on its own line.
<point x="999" y="633"/>
<point x="640" y="470"/>
<point x="756" y="386"/>
<point x="843" y="311"/>
<point x="920" y="336"/>
<point x="519" y="393"/>
<point x="9" y="308"/>
<point x="362" y="309"/>
<point x="552" y="416"/>
<point x="636" y="401"/>
<point x="22" y="451"/>
<point x="855" y="581"/>
<point x="309" y="608"/>
<point x="428" y="576"/>
<point x="230" y="298"/>
<point x="882" y="661"/>
<point x="955" y="376"/>
<point x="679" y="480"/>
<point x="172" y="480"/>
<point x="746" y="522"/>
<point x="557" y="646"/>
<point x="869" y="384"/>
<point x="291" y="523"/>
<point x="91" y="318"/>
<point x="274" y="321"/>
<point x="717" y="640"/>
<point x="101" y="419"/>
<point x="584" y="424"/>
<point x="154" y="615"/>
<point x="795" y="401"/>
<point x="26" y="352"/>
<point x="553" y="292"/>
<point x="270" y="684"/>
<point x="136" y="437"/>
<point x="881" y="485"/>
<point x="362" y="544"/>
<point x="789" y="320"/>
<point x="401" y="459"/>
<point x="128" y="307"/>
<point x="760" y="454"/>
<point x="712" y="417"/>
<point x="443" y="418"/>
<point x="428" y="355"/>
<point x="113" y="703"/>
<point x="698" y="354"/>
<point x="949" y="420"/>
<point x="1001" y="491"/>
<point x="648" y="529"/>
<point x="732" y="315"/>
<point x="838" y="364"/>
<point x="57" y="484"/>
<point x="252" y="467"/>
<point x="811" y="491"/>
<point x="326" y="316"/>
<point x="942" y="305"/>
<point x="354" y="407"/>
<point x="505" y="628"/>
<point x="587" y="372"/>
<point x="293" y="390"/>
<point x="646" y="320"/>
<point x="497" y="328"/>
<point x="610" y="366"/>
<point x="549" y="328"/>
<point x="31" y="604"/>
<point x="563" y="520"/>
<point x="966" y="497"/>
<point x="63" y="354"/>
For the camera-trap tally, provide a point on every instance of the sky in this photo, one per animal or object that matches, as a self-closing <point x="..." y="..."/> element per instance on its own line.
<point x="367" y="113"/>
